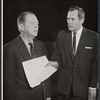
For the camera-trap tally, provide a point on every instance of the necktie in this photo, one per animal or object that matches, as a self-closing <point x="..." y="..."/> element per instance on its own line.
<point x="74" y="45"/>
<point x="32" y="50"/>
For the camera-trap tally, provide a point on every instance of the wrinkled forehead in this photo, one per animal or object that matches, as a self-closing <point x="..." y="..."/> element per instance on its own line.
<point x="31" y="18"/>
<point x="72" y="14"/>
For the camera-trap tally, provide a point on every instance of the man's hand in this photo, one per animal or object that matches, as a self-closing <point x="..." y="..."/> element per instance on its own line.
<point x="53" y="64"/>
<point x="48" y="99"/>
<point x="92" y="94"/>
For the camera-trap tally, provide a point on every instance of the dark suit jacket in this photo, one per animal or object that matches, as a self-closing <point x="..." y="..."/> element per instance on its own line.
<point x="15" y="82"/>
<point x="84" y="72"/>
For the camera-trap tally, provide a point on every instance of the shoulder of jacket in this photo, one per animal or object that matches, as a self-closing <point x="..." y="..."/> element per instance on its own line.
<point x="10" y="44"/>
<point x="64" y="31"/>
<point x="39" y="41"/>
<point x="91" y="31"/>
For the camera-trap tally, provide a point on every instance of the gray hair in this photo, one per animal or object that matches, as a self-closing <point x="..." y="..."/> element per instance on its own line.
<point x="81" y="13"/>
<point x="22" y="17"/>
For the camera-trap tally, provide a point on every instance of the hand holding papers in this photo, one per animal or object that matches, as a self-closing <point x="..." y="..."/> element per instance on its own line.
<point x="54" y="64"/>
<point x="36" y="72"/>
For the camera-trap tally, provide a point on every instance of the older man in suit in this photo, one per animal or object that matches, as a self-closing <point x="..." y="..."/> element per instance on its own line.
<point x="76" y="53"/>
<point x="23" y="48"/>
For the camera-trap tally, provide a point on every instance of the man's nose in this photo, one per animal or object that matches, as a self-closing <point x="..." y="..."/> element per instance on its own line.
<point x="36" y="26"/>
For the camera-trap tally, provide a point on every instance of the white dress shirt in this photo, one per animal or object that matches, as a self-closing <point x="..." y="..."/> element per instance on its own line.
<point x="78" y="35"/>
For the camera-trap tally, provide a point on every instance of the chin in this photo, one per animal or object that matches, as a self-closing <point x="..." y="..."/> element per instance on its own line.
<point x="70" y="29"/>
<point x="34" y="35"/>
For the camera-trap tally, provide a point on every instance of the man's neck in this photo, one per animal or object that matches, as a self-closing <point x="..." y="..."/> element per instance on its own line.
<point x="78" y="29"/>
<point x="27" y="37"/>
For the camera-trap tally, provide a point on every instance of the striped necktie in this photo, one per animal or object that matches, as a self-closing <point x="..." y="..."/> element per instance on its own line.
<point x="74" y="45"/>
<point x="32" y="50"/>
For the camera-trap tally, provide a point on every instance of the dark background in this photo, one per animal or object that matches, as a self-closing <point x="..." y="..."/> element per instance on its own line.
<point x="51" y="15"/>
<point x="52" y="18"/>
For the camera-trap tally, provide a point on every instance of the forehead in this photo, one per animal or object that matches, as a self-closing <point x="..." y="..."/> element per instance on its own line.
<point x="72" y="14"/>
<point x="31" y="18"/>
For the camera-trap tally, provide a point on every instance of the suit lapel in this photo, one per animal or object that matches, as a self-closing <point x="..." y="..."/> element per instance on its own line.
<point x="70" y="43"/>
<point x="40" y="49"/>
<point x="68" y="39"/>
<point x="23" y="49"/>
<point x="81" y="42"/>
<point x="37" y="47"/>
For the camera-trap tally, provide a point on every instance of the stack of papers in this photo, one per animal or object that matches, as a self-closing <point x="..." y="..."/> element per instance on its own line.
<point x="36" y="72"/>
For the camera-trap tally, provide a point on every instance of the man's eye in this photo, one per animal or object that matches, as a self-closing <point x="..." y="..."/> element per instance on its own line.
<point x="73" y="19"/>
<point x="68" y="19"/>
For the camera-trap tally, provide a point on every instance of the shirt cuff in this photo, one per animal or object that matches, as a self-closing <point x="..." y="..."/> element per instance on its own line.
<point x="92" y="88"/>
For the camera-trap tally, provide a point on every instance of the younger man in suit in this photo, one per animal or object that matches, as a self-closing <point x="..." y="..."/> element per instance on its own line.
<point x="15" y="84"/>
<point x="76" y="53"/>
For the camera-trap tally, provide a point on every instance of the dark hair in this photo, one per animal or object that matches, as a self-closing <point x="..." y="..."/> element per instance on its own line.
<point x="81" y="13"/>
<point x="22" y="17"/>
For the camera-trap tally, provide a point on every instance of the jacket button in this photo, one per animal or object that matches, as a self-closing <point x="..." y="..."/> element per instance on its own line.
<point x="71" y="78"/>
<point x="73" y="68"/>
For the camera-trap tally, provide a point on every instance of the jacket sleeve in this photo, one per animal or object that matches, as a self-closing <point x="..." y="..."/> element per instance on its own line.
<point x="9" y="91"/>
<point x="48" y="88"/>
<point x="94" y="65"/>
<point x="47" y="82"/>
<point x="56" y="52"/>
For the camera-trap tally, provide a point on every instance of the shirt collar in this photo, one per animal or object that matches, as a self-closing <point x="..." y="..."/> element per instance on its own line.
<point x="79" y="32"/>
<point x="25" y="41"/>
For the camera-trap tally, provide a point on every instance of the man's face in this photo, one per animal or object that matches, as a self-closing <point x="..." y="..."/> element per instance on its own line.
<point x="31" y="25"/>
<point x="74" y="23"/>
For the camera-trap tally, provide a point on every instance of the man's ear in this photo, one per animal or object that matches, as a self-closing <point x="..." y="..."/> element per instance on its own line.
<point x="82" y="21"/>
<point x="20" y="27"/>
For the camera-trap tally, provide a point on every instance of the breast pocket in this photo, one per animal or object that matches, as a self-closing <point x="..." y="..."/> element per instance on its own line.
<point x="88" y="50"/>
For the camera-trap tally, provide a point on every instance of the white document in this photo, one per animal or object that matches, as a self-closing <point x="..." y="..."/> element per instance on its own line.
<point x="36" y="72"/>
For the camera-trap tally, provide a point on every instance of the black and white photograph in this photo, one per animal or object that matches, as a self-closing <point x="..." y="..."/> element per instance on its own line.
<point x="49" y="49"/>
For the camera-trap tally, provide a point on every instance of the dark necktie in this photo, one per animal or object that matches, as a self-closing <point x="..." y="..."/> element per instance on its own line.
<point x="74" y="45"/>
<point x="32" y="50"/>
